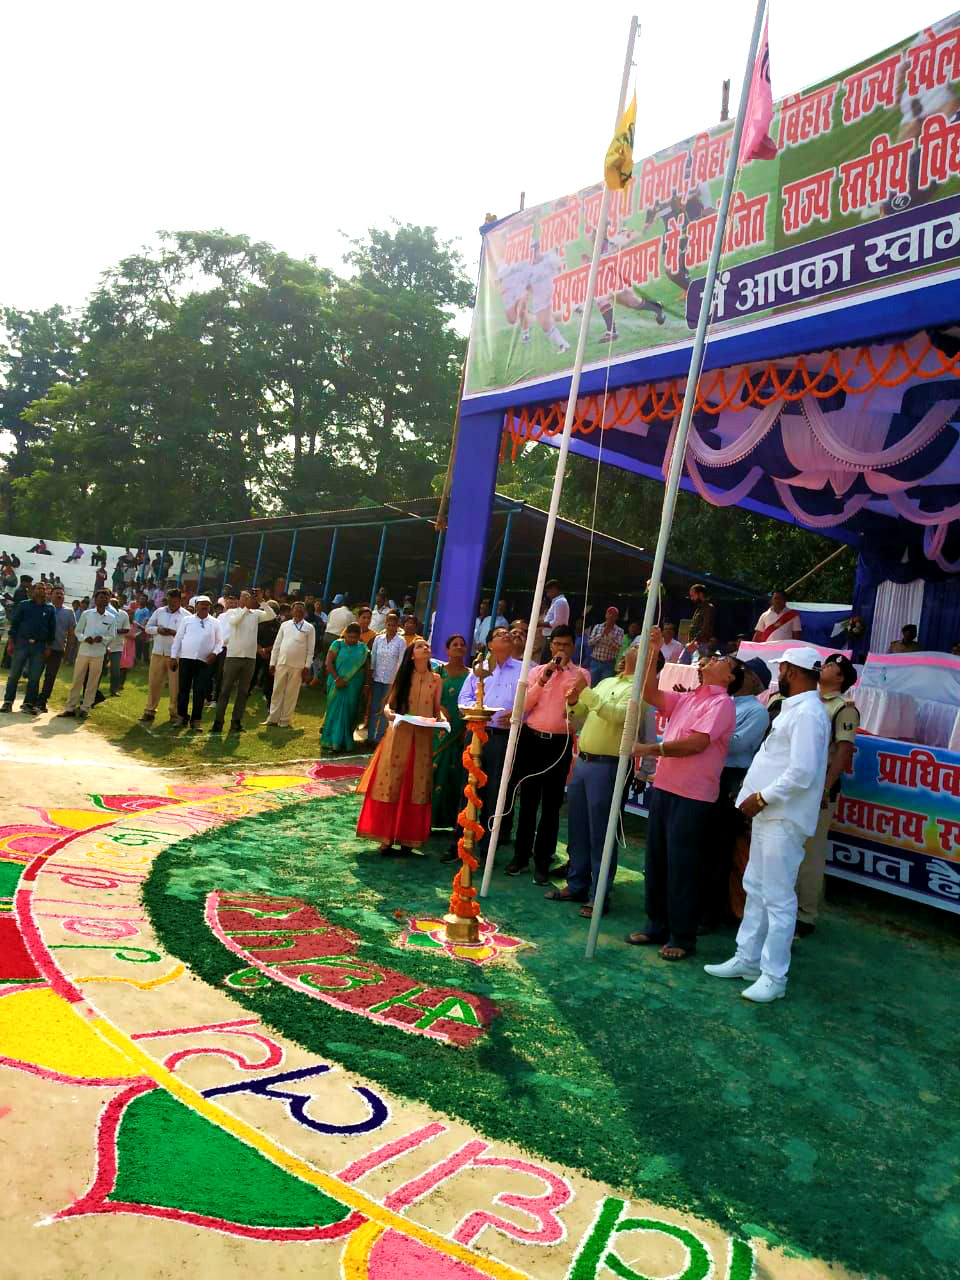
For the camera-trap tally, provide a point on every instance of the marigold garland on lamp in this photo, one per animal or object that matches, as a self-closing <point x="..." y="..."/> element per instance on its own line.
<point x="462" y="919"/>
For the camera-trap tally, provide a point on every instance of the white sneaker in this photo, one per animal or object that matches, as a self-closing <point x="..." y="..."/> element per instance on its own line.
<point x="764" y="990"/>
<point x="733" y="968"/>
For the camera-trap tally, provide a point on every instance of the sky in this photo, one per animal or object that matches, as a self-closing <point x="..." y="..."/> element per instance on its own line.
<point x="295" y="122"/>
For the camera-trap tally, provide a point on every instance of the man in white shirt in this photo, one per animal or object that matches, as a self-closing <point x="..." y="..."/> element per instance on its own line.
<point x="671" y="647"/>
<point x="238" y="626"/>
<point x="488" y="623"/>
<point x="193" y="652"/>
<point x="781" y="793"/>
<point x="95" y="628"/>
<point x="382" y="606"/>
<point x="386" y="654"/>
<point x="339" y="618"/>
<point x="557" y="613"/>
<point x="290" y="661"/>
<point x="115" y="646"/>
<point x="163" y="625"/>
<point x="778" y="622"/>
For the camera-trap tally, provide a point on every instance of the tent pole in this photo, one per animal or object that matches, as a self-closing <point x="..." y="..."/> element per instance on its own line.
<point x="293" y="548"/>
<point x="504" y="552"/>
<point x="203" y="564"/>
<point x="428" y="609"/>
<point x="670" y="493"/>
<point x="183" y="562"/>
<point x="226" y="567"/>
<point x="376" y="572"/>
<point x="327" y="579"/>
<point x="564" y="449"/>
<point x="816" y="568"/>
<point x="256" y="568"/>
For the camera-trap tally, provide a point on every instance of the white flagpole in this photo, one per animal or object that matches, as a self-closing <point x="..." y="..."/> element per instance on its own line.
<point x="562" y="451"/>
<point x="670" y="493"/>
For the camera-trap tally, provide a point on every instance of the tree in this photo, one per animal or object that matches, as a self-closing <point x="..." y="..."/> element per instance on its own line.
<point x="39" y="351"/>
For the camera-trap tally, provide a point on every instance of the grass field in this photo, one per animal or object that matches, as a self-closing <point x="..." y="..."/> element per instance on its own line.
<point x="118" y="719"/>
<point x="825" y="1122"/>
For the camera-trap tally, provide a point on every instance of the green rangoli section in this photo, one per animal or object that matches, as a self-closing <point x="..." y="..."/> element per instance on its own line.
<point x="170" y="1157"/>
<point x="825" y="1123"/>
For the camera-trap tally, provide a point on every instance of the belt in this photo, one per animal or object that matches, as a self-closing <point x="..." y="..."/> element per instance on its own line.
<point x="538" y="734"/>
<point x="590" y="758"/>
<point x="496" y="729"/>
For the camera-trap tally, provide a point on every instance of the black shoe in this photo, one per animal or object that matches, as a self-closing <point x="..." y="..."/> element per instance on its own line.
<point x="541" y="877"/>
<point x="237" y="728"/>
<point x="803" y="929"/>
<point x="516" y="868"/>
<point x="148" y="717"/>
<point x="28" y="709"/>
<point x="561" y="872"/>
<point x="217" y="726"/>
<point x="64" y="715"/>
<point x="7" y="706"/>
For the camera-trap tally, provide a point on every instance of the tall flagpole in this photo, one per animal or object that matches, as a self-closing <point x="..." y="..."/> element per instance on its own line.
<point x="670" y="494"/>
<point x="532" y="631"/>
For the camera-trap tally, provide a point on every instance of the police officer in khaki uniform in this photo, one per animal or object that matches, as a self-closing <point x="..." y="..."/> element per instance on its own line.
<point x="837" y="675"/>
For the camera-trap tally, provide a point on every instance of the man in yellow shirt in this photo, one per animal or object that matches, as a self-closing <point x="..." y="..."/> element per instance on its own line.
<point x="591" y="785"/>
<point x="837" y="675"/>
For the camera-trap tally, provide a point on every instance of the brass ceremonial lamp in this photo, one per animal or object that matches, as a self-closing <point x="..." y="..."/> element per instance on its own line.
<point x="463" y="918"/>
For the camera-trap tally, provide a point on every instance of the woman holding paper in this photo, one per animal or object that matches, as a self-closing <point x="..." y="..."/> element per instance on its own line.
<point x="398" y="784"/>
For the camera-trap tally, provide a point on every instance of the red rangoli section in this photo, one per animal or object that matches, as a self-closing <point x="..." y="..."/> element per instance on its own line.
<point x="286" y="940"/>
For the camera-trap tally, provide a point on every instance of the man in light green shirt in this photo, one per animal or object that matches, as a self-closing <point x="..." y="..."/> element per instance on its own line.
<point x="591" y="786"/>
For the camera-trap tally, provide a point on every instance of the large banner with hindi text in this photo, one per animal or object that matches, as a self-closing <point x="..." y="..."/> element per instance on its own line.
<point x="897" y="824"/>
<point x="863" y="193"/>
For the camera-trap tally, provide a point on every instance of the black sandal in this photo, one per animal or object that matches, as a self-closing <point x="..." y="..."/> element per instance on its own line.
<point x="564" y="895"/>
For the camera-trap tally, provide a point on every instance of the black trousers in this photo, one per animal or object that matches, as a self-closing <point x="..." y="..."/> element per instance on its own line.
<point x="676" y="831"/>
<point x="726" y="823"/>
<point x="194" y="676"/>
<point x="494" y="754"/>
<point x="543" y="763"/>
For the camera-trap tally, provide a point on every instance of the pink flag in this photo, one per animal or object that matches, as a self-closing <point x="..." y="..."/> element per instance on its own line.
<point x="755" y="142"/>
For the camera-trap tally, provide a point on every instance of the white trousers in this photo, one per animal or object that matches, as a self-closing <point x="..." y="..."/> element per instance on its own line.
<point x="286" y="690"/>
<point x="770" y="915"/>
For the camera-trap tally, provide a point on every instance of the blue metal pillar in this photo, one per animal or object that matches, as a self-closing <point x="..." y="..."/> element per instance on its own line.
<point x="256" y="568"/>
<point x="203" y="565"/>
<point x="183" y="561"/>
<point x="293" y="548"/>
<point x="376" y="572"/>
<point x="428" y="609"/>
<point x="327" y="579"/>
<point x="163" y="566"/>
<point x="226" y="567"/>
<point x="501" y="570"/>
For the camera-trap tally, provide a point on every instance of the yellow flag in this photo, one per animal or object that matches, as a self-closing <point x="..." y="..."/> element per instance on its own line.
<point x="618" y="164"/>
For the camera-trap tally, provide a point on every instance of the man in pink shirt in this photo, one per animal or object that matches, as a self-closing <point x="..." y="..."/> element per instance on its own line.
<point x="685" y="786"/>
<point x="544" y="752"/>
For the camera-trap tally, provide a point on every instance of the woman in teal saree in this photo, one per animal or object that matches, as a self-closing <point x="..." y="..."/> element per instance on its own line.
<point x="346" y="667"/>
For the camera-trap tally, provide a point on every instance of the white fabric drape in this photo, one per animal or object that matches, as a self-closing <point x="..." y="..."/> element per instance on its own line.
<point x="897" y="604"/>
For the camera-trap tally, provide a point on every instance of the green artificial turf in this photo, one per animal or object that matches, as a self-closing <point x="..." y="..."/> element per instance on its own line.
<point x="825" y="1122"/>
<point x="118" y="720"/>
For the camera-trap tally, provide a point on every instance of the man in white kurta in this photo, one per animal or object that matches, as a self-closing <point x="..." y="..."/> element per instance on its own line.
<point x="781" y="793"/>
<point x="290" y="661"/>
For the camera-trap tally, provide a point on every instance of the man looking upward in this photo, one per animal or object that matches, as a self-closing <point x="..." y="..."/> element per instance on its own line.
<point x="781" y="793"/>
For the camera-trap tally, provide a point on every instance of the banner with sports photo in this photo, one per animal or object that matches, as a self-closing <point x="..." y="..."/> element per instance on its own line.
<point x="862" y="194"/>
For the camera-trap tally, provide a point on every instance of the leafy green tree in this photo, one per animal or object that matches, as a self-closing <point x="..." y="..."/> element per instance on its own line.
<point x="38" y="352"/>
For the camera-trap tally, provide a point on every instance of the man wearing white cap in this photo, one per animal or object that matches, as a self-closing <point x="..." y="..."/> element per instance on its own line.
<point x="781" y="793"/>
<point x="193" y="653"/>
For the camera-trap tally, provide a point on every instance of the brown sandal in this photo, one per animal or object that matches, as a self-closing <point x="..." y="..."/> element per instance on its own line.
<point x="642" y="940"/>
<point x="675" y="953"/>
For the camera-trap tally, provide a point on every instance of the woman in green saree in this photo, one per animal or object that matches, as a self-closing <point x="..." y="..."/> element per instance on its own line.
<point x="346" y="665"/>
<point x="448" y="771"/>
